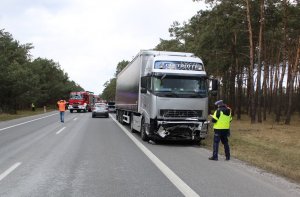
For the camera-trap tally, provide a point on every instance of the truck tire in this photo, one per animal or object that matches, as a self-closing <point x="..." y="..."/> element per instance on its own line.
<point x="121" y="117"/>
<point x="144" y="135"/>
<point x="131" y="124"/>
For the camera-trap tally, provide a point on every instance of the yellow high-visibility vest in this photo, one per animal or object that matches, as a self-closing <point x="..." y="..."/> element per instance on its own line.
<point x="223" y="122"/>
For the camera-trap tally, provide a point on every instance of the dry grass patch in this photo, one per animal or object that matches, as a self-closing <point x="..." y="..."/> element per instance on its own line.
<point x="270" y="146"/>
<point x="20" y="114"/>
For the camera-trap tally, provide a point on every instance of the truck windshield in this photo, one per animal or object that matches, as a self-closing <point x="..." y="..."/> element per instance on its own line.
<point x="76" y="96"/>
<point x="177" y="86"/>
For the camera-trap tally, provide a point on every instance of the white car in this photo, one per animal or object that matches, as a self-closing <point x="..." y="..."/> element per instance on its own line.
<point x="111" y="107"/>
<point x="100" y="109"/>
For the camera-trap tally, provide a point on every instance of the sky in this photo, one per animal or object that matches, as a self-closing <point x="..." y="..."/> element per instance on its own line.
<point x="88" y="38"/>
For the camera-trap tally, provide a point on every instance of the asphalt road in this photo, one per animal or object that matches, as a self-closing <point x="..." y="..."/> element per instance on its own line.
<point x="85" y="156"/>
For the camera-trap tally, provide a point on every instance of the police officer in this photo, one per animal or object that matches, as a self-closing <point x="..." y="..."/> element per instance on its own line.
<point x="221" y="119"/>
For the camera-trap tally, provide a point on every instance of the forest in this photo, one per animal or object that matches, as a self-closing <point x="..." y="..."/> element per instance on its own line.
<point x="252" y="47"/>
<point x="24" y="80"/>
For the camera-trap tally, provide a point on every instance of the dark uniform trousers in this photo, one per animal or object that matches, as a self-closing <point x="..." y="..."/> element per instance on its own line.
<point x="221" y="134"/>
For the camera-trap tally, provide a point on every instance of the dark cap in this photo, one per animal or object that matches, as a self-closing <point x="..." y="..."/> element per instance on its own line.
<point x="219" y="103"/>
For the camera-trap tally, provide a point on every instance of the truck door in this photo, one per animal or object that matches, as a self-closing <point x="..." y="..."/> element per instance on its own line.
<point x="146" y="103"/>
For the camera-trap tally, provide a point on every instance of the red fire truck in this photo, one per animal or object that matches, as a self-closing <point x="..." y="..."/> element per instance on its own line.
<point x="81" y="101"/>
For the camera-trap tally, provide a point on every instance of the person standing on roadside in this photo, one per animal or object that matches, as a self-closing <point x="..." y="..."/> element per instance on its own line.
<point x="62" y="108"/>
<point x="32" y="107"/>
<point x="221" y="119"/>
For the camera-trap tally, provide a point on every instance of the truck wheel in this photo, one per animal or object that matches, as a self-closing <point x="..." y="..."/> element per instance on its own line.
<point x="131" y="124"/>
<point x="121" y="118"/>
<point x="71" y="110"/>
<point x="144" y="135"/>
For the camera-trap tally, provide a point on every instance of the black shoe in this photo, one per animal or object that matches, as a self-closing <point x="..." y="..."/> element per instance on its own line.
<point x="213" y="158"/>
<point x="227" y="159"/>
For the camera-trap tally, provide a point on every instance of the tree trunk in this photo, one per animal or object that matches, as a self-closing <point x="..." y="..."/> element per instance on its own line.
<point x="291" y="87"/>
<point x="232" y="100"/>
<point x="239" y="92"/>
<point x="289" y="84"/>
<point x="298" y="77"/>
<point x="272" y="76"/>
<point x="251" y="69"/>
<point x="267" y="99"/>
<point x="249" y="108"/>
<point x="280" y="91"/>
<point x="258" y="85"/>
<point x="265" y="90"/>
<point x="276" y="82"/>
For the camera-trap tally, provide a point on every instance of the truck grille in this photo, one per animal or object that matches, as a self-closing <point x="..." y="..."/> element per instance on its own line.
<point x="171" y="113"/>
<point x="75" y="105"/>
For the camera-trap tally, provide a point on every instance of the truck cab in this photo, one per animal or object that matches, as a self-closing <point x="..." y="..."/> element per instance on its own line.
<point x="167" y="99"/>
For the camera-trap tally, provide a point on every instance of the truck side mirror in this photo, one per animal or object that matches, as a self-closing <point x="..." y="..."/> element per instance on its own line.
<point x="214" y="85"/>
<point x="143" y="90"/>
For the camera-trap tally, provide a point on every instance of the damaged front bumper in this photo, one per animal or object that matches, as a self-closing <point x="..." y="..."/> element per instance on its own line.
<point x="182" y="130"/>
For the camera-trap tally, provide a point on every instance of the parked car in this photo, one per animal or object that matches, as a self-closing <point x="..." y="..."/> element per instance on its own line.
<point x="111" y="107"/>
<point x="100" y="109"/>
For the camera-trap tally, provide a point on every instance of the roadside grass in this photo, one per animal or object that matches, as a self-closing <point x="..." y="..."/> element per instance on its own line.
<point x="268" y="145"/>
<point x="22" y="113"/>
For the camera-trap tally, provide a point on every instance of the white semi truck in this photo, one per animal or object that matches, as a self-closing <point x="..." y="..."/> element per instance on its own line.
<point x="164" y="95"/>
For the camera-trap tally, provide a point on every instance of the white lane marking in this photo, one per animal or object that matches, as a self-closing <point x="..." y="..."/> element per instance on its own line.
<point x="9" y="170"/>
<point x="60" y="130"/>
<point x="75" y="119"/>
<point x="26" y="122"/>
<point x="178" y="182"/>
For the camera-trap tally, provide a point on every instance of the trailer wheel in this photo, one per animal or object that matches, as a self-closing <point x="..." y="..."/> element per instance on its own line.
<point x="119" y="116"/>
<point x="144" y="135"/>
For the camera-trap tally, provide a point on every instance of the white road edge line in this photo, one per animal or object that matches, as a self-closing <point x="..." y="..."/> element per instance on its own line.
<point x="180" y="184"/>
<point x="9" y="170"/>
<point x="60" y="130"/>
<point x="27" y="122"/>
